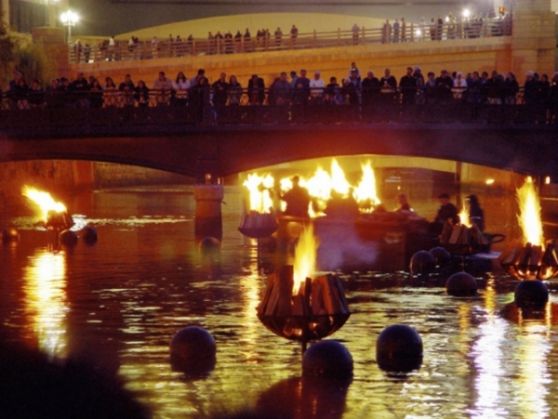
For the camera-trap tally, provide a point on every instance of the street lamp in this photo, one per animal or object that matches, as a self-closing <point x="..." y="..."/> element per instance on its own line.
<point x="69" y="18"/>
<point x="466" y="13"/>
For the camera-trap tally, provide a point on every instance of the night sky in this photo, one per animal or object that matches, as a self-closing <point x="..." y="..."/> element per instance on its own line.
<point x="106" y="17"/>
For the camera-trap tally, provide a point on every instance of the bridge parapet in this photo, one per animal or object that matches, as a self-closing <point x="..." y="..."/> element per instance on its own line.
<point x="171" y="120"/>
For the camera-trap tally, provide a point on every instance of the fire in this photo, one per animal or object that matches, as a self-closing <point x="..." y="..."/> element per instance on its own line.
<point x="305" y="258"/>
<point x="366" y="191"/>
<point x="339" y="182"/>
<point x="259" y="188"/>
<point x="464" y="217"/>
<point x="320" y="187"/>
<point x="530" y="213"/>
<point x="44" y="201"/>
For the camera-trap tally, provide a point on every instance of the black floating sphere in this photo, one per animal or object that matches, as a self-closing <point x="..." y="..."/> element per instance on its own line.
<point x="531" y="294"/>
<point x="461" y="284"/>
<point x="209" y="244"/>
<point x="441" y="256"/>
<point x="68" y="238"/>
<point x="399" y="349"/>
<point x="329" y="359"/>
<point x="89" y="234"/>
<point x="422" y="263"/>
<point x="192" y="351"/>
<point x="10" y="235"/>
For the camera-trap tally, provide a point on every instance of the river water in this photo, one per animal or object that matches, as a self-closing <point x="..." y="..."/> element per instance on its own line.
<point x="118" y="303"/>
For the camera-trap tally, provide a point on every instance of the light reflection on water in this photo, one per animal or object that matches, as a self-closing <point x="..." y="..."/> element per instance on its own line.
<point x="118" y="304"/>
<point x="46" y="302"/>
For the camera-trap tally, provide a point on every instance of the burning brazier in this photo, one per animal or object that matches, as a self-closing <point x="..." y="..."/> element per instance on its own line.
<point x="532" y="261"/>
<point x="300" y="306"/>
<point x="536" y="259"/>
<point x="258" y="226"/>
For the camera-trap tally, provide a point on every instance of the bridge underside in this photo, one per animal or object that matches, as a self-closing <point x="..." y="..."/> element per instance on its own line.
<point x="227" y="150"/>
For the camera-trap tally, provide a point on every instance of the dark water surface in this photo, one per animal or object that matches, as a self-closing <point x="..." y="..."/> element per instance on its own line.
<point x="117" y="305"/>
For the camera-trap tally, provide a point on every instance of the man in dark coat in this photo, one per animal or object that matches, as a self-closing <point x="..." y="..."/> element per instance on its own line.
<point x="408" y="87"/>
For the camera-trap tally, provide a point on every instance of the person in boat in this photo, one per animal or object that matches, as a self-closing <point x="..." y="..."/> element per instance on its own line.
<point x="446" y="212"/>
<point x="476" y="213"/>
<point x="59" y="221"/>
<point x="340" y="206"/>
<point x="297" y="199"/>
<point x="404" y="206"/>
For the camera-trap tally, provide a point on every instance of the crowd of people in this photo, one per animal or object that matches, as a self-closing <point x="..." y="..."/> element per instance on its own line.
<point x="175" y="46"/>
<point x="295" y="89"/>
<point x="227" y="42"/>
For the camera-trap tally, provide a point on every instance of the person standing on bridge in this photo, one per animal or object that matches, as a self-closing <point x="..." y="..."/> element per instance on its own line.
<point x="408" y="87"/>
<point x="370" y="94"/>
<point x="181" y="86"/>
<point x="256" y="90"/>
<point x="356" y="33"/>
<point x="163" y="89"/>
<point x="294" y="35"/>
<point x="220" y="88"/>
<point x="278" y="37"/>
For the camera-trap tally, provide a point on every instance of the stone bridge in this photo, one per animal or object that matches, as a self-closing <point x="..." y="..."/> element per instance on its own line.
<point x="221" y="150"/>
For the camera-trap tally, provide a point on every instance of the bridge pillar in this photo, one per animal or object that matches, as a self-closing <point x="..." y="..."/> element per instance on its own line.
<point x="208" y="219"/>
<point x="5" y="12"/>
<point x="53" y="43"/>
<point x="533" y="45"/>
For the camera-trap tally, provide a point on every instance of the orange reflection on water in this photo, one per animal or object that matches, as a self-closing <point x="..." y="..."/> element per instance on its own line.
<point x="534" y="376"/>
<point x="489" y="360"/>
<point x="46" y="301"/>
<point x="250" y="286"/>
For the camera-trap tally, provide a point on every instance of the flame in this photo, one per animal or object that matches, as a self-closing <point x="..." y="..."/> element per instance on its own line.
<point x="305" y="258"/>
<point x="366" y="191"/>
<point x="339" y="182"/>
<point x="44" y="201"/>
<point x="530" y="213"/>
<point x="464" y="217"/>
<point x="320" y="185"/>
<point x="259" y="188"/>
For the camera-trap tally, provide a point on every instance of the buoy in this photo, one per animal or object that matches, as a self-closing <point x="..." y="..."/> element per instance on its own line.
<point x="441" y="256"/>
<point x="10" y="235"/>
<point x="193" y="351"/>
<point x="422" y="263"/>
<point x="68" y="238"/>
<point x="399" y="349"/>
<point x="531" y="294"/>
<point x="89" y="234"/>
<point x="461" y="284"/>
<point x="328" y="359"/>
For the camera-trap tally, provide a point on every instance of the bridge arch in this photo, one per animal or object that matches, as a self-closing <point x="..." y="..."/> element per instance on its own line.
<point x="228" y="150"/>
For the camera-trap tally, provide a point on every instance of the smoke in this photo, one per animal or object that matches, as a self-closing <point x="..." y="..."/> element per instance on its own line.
<point x="341" y="247"/>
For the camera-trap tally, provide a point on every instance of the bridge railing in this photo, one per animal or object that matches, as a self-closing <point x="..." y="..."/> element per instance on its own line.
<point x="99" y="121"/>
<point x="197" y="96"/>
<point x="410" y="32"/>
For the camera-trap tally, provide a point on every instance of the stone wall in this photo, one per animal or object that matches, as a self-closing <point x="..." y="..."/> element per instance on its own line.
<point x="459" y="55"/>
<point x="113" y="175"/>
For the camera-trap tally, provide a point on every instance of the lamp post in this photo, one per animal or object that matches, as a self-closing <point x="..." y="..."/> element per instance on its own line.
<point x="69" y="18"/>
